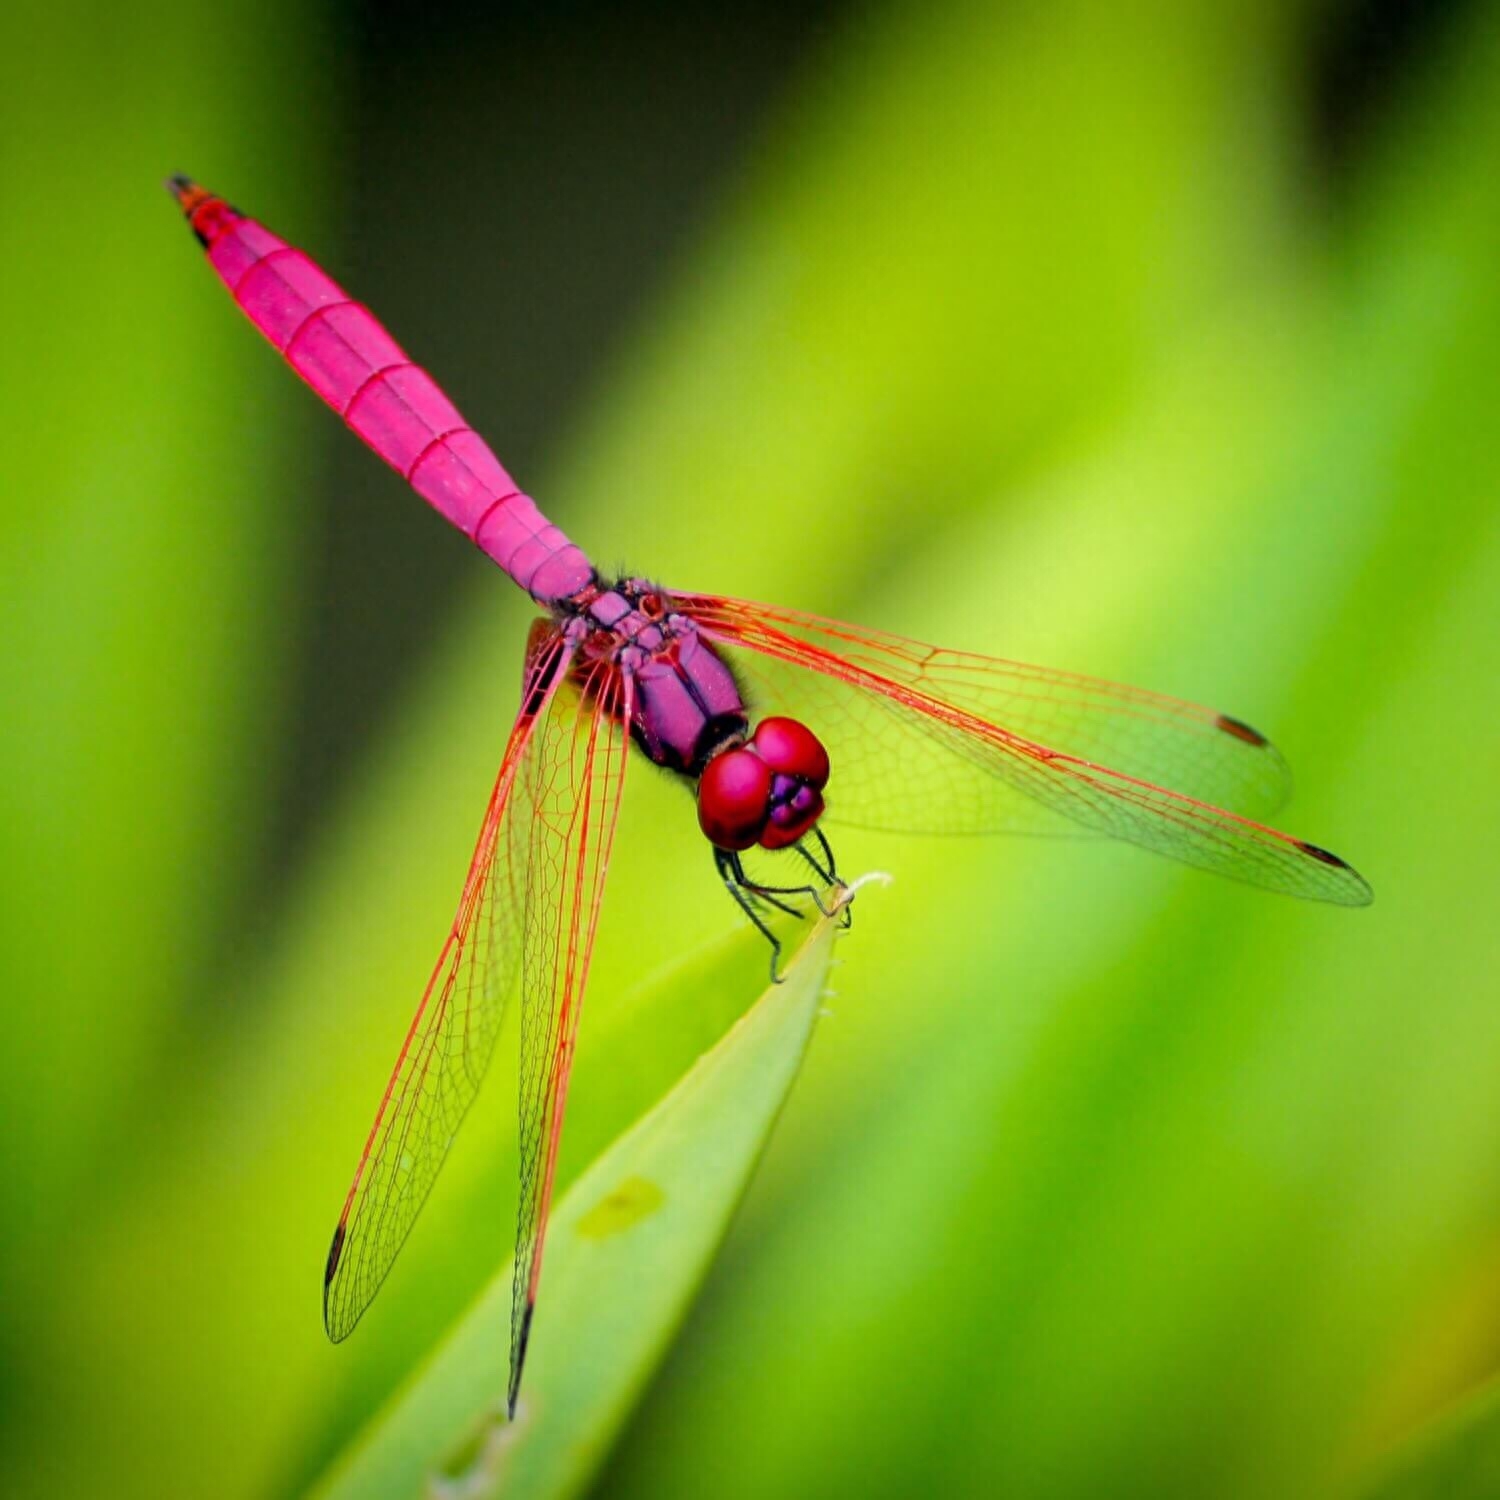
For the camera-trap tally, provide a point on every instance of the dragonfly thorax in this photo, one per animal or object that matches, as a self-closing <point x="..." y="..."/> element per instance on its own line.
<point x="688" y="715"/>
<point x="686" y="704"/>
<point x="767" y="791"/>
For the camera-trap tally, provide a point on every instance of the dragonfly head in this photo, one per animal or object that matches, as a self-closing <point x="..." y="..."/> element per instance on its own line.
<point x="766" y="791"/>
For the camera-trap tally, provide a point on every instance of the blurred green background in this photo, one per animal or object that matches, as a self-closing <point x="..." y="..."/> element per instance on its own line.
<point x="1155" y="341"/>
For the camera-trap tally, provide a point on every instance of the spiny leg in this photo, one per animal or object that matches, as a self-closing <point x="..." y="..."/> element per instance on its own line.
<point x="749" y="894"/>
<point x="732" y="873"/>
<point x="826" y="871"/>
<point x="826" y="876"/>
<point x="829" y="876"/>
<point x="846" y="911"/>
<point x="769" y="892"/>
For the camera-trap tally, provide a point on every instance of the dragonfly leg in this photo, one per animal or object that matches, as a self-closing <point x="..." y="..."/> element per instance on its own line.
<point x="732" y="873"/>
<point x="826" y="876"/>
<point x="846" y="911"/>
<point x="759" y="893"/>
<point x="826" y="871"/>
<point x="827" y="848"/>
<point x="770" y="892"/>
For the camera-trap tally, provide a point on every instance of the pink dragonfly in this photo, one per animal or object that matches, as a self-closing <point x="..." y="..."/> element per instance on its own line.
<point x="922" y="739"/>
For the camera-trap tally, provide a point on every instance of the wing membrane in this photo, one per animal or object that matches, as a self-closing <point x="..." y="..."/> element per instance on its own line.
<point x="1156" y="738"/>
<point x="931" y="740"/>
<point x="577" y="776"/>
<point x="447" y="1048"/>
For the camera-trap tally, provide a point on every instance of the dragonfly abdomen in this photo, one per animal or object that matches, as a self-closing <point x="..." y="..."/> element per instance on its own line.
<point x="339" y="348"/>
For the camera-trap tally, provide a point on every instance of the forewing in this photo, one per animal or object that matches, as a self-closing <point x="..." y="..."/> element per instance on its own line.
<point x="1198" y="751"/>
<point x="928" y="740"/>
<point x="448" y="1046"/>
<point x="576" y="779"/>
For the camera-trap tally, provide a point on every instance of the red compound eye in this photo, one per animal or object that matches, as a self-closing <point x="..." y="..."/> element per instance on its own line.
<point x="768" y="792"/>
<point x="793" y="749"/>
<point x="734" y="795"/>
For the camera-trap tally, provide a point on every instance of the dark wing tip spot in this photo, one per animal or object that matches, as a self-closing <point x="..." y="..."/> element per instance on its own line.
<point x="1241" y="730"/>
<point x="518" y="1358"/>
<point x="1355" y="891"/>
<point x="335" y="1250"/>
<point x="1322" y="854"/>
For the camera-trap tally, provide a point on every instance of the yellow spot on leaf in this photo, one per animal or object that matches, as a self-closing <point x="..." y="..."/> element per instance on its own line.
<point x="633" y="1200"/>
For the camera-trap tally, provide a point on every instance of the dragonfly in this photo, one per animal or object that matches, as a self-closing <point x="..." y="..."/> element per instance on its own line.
<point x="864" y="727"/>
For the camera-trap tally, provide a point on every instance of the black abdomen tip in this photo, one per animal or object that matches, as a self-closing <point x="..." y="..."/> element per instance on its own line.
<point x="208" y="215"/>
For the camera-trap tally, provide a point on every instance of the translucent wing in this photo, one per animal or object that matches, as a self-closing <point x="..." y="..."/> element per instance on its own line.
<point x="576" y="776"/>
<point x="452" y="1035"/>
<point x="928" y="740"/>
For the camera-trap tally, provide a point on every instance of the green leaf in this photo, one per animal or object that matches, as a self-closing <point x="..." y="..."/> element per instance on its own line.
<point x="628" y="1245"/>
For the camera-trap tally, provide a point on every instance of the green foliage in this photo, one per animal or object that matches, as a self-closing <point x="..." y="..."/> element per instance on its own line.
<point x="1031" y="329"/>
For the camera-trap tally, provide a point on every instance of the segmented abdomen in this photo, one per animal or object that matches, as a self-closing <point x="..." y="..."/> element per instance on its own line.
<point x="336" y="345"/>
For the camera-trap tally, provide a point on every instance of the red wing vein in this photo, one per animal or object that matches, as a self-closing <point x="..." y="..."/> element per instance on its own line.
<point x="920" y="754"/>
<point x="1166" y="741"/>
<point x="578" y="781"/>
<point x="448" y="1046"/>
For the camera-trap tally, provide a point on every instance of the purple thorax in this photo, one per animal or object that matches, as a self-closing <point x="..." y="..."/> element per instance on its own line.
<point x="687" y="705"/>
